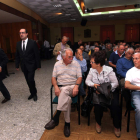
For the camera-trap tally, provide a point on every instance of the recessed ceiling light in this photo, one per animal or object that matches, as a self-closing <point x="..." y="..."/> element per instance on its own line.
<point x="57" y="5"/>
<point x="73" y="19"/>
<point x="67" y="14"/>
<point x="58" y="13"/>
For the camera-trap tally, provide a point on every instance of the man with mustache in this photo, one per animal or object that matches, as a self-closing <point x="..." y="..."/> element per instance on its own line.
<point x="68" y="74"/>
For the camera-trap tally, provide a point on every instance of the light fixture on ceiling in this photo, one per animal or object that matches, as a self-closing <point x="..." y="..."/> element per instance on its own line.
<point x="73" y="19"/>
<point x="57" y="5"/>
<point x="58" y="13"/>
<point x="90" y="10"/>
<point x="67" y="14"/>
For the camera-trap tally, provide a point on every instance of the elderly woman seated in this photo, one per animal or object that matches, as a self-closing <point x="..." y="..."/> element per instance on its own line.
<point x="99" y="73"/>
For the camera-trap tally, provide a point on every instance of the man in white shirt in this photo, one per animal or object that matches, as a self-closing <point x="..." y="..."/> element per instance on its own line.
<point x="46" y="44"/>
<point x="132" y="82"/>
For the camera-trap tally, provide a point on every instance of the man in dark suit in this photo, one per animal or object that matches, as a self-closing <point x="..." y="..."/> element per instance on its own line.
<point x="3" y="63"/>
<point x="27" y="54"/>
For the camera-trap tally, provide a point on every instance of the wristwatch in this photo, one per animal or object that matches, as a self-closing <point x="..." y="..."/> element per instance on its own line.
<point x="78" y="84"/>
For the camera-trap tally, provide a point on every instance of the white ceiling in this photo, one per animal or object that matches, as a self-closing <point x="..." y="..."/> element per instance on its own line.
<point x="95" y="4"/>
<point x="6" y="17"/>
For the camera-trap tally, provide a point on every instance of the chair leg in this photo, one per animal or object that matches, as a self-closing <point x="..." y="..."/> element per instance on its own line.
<point x="88" y="117"/>
<point x="121" y="104"/>
<point x="79" y="108"/>
<point x="128" y="120"/>
<point x="51" y="104"/>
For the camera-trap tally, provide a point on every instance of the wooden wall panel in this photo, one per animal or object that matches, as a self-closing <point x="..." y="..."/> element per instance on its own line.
<point x="11" y="31"/>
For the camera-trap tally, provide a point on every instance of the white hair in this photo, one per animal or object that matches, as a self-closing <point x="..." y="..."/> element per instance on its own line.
<point x="129" y="49"/>
<point x="63" y="52"/>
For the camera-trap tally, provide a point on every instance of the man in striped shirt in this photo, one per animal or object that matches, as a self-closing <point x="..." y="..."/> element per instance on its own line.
<point x="68" y="74"/>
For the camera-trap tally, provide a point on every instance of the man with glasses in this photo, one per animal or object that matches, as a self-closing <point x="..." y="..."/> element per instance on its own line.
<point x="60" y="46"/>
<point x="132" y="82"/>
<point x="27" y="54"/>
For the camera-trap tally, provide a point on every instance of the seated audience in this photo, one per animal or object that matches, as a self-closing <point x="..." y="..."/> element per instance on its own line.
<point x="87" y="47"/>
<point x="82" y="62"/>
<point x="132" y="82"/>
<point x="115" y="56"/>
<point x="137" y="48"/>
<point x="85" y="55"/>
<point x="98" y="74"/>
<point x="68" y="74"/>
<point x="60" y="46"/>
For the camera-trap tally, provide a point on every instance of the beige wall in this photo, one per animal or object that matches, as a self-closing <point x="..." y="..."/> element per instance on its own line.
<point x="119" y="32"/>
<point x="55" y="34"/>
<point x="16" y="5"/>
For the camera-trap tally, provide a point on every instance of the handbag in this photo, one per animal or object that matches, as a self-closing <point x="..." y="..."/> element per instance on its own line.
<point x="105" y="95"/>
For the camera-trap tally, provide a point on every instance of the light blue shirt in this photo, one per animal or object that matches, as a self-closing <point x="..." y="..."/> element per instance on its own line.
<point x="82" y="63"/>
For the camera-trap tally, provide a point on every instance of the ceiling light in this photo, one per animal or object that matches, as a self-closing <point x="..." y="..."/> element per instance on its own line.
<point x="58" y="13"/>
<point x="73" y="19"/>
<point x="57" y="5"/>
<point x="67" y="14"/>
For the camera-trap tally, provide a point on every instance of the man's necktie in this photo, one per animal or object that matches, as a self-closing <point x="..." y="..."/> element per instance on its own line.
<point x="23" y="46"/>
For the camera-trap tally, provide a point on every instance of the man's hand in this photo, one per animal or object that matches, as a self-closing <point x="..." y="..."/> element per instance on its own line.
<point x="0" y="69"/>
<point x="57" y="90"/>
<point x="17" y="69"/>
<point x="80" y="57"/>
<point x="58" y="53"/>
<point x="97" y="92"/>
<point x="75" y="90"/>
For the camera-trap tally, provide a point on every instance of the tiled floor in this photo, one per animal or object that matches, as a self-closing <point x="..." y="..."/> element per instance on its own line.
<point x="21" y="119"/>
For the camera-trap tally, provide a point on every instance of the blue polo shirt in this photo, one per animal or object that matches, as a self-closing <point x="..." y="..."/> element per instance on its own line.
<point x="114" y="57"/>
<point x="123" y="65"/>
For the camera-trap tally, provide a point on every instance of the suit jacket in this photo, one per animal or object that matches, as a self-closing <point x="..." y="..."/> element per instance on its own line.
<point x="30" y="59"/>
<point x="58" y="48"/>
<point x="3" y="63"/>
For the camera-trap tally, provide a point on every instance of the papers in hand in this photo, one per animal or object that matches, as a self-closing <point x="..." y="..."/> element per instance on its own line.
<point x="59" y="56"/>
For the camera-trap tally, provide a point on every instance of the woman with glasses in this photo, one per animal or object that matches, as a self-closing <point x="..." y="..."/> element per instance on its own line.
<point x="98" y="74"/>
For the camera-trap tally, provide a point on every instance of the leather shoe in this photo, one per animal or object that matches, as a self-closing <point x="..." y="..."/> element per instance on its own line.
<point x="30" y="97"/>
<point x="51" y="125"/>
<point x="35" y="98"/>
<point x="67" y="131"/>
<point x="5" y="100"/>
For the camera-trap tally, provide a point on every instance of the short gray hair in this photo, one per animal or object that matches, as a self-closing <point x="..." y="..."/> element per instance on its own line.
<point x="63" y="52"/>
<point x="109" y="44"/>
<point x="129" y="49"/>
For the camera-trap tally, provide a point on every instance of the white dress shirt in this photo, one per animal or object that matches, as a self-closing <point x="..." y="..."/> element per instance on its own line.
<point x="25" y="43"/>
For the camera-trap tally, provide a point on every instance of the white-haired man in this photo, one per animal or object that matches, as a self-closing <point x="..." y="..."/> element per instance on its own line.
<point x="68" y="74"/>
<point x="132" y="82"/>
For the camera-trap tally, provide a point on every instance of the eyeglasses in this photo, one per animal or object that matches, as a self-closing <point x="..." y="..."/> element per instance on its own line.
<point x="21" y="32"/>
<point x="92" y="62"/>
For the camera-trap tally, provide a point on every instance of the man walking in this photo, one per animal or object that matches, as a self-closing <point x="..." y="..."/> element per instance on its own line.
<point x="27" y="54"/>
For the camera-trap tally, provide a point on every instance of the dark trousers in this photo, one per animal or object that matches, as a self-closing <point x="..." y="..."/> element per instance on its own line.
<point x="114" y="109"/>
<point x="29" y="76"/>
<point x="4" y="90"/>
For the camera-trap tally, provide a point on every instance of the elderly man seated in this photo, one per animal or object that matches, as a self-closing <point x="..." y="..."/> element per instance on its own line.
<point x="122" y="66"/>
<point x="68" y="74"/>
<point x="132" y="82"/>
<point x="82" y="62"/>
